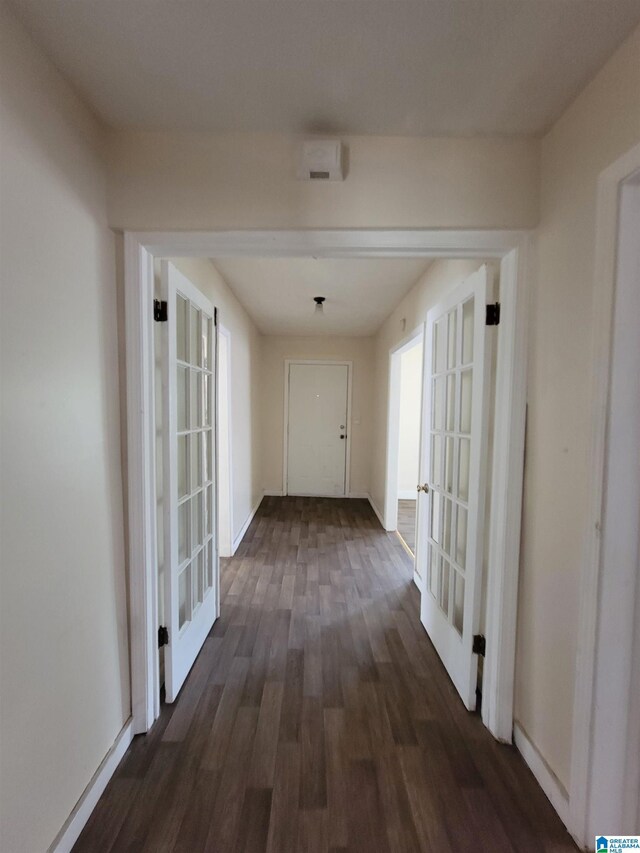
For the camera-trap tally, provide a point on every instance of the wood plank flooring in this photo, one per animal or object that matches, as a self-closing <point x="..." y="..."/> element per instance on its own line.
<point x="318" y="717"/>
<point x="407" y="523"/>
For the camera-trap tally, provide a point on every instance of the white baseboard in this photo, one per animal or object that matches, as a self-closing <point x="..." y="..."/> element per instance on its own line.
<point x="270" y="493"/>
<point x="546" y="778"/>
<point x="376" y="510"/>
<point x="238" y="539"/>
<point x="81" y="813"/>
<point x="406" y="494"/>
<point x="359" y="495"/>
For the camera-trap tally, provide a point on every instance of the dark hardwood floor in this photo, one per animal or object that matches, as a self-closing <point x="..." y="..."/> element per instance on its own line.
<point x="318" y="717"/>
<point x="407" y="523"/>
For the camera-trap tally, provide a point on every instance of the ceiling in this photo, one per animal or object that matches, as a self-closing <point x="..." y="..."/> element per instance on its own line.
<point x="360" y="292"/>
<point x="414" y="67"/>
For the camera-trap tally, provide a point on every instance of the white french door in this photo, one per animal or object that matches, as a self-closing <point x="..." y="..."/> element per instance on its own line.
<point x="451" y="496"/>
<point x="317" y="411"/>
<point x="189" y="418"/>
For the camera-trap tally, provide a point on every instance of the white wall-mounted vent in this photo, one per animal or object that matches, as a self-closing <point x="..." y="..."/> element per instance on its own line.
<point x="321" y="160"/>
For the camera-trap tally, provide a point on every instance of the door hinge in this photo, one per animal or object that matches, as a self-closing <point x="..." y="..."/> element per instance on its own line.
<point x="493" y="314"/>
<point x="160" y="311"/>
<point x="215" y="316"/>
<point x="479" y="645"/>
<point x="163" y="636"/>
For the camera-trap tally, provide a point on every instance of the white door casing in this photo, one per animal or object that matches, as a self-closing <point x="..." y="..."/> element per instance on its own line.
<point x="190" y="520"/>
<point x="451" y="514"/>
<point x="510" y="247"/>
<point x="317" y="428"/>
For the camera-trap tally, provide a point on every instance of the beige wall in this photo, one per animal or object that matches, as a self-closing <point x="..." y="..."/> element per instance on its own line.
<point x="64" y="657"/>
<point x="275" y="350"/>
<point x="246" y="356"/>
<point x="439" y="278"/>
<point x="600" y="125"/>
<point x="204" y="181"/>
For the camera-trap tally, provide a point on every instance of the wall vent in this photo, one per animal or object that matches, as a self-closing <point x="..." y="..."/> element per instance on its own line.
<point x="321" y="160"/>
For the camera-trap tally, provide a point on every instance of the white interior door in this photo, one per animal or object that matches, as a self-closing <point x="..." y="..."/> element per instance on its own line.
<point x="317" y="429"/>
<point x="190" y="535"/>
<point x="453" y="477"/>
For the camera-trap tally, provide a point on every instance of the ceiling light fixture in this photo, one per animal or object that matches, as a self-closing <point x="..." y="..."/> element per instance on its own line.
<point x="319" y="306"/>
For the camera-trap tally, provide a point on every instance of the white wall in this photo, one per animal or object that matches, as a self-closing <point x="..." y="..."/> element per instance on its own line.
<point x="225" y="511"/>
<point x="169" y="180"/>
<point x="409" y="421"/>
<point x="64" y="657"/>
<point x="246" y="360"/>
<point x="274" y="352"/>
<point x="439" y="278"/>
<point x="602" y="124"/>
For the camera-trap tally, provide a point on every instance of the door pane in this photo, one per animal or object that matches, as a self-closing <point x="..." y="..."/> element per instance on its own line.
<point x="440" y="346"/>
<point x="206" y="342"/>
<point x="451" y="402"/>
<point x="194" y="399"/>
<point x="194" y="334"/>
<point x="208" y="511"/>
<point x="465" y="401"/>
<point x="434" y="569"/>
<point x="452" y="341"/>
<point x="458" y="603"/>
<point x="467" y="332"/>
<point x="196" y="520"/>
<point x="446" y="525"/>
<point x="183" y="465"/>
<point x="181" y="328"/>
<point x="206" y="400"/>
<point x="444" y="586"/>
<point x="181" y="397"/>
<point x="184" y="596"/>
<point x="438" y="403"/>
<point x="198" y="579"/>
<point x="463" y="469"/>
<point x="196" y="461"/>
<point x="184" y="548"/>
<point x="448" y="464"/>
<point x="207" y="473"/>
<point x="436" y="461"/>
<point x="461" y="537"/>
<point x="210" y="563"/>
<point x="435" y="517"/>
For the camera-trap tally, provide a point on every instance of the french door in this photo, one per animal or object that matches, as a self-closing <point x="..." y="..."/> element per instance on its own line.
<point x="451" y="494"/>
<point x="189" y="480"/>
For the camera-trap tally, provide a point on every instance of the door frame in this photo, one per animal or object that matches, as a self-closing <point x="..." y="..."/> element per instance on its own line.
<point x="223" y="332"/>
<point x="285" y="431"/>
<point x="593" y="661"/>
<point x="511" y="247"/>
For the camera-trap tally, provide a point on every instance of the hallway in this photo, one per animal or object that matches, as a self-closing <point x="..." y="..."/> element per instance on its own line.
<point x="318" y="716"/>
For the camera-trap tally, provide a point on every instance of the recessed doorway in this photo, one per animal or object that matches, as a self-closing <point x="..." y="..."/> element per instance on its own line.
<point x="403" y="452"/>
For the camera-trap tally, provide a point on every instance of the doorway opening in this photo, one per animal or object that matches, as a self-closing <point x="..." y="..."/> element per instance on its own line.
<point x="508" y="247"/>
<point x="403" y="443"/>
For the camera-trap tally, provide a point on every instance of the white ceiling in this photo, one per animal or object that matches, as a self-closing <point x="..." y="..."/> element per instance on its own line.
<point x="415" y="67"/>
<point x="360" y="292"/>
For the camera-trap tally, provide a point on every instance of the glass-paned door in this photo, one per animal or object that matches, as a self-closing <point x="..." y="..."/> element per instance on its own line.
<point x="189" y="418"/>
<point x="451" y="500"/>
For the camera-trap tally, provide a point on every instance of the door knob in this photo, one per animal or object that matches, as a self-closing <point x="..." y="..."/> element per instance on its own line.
<point x="424" y="488"/>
